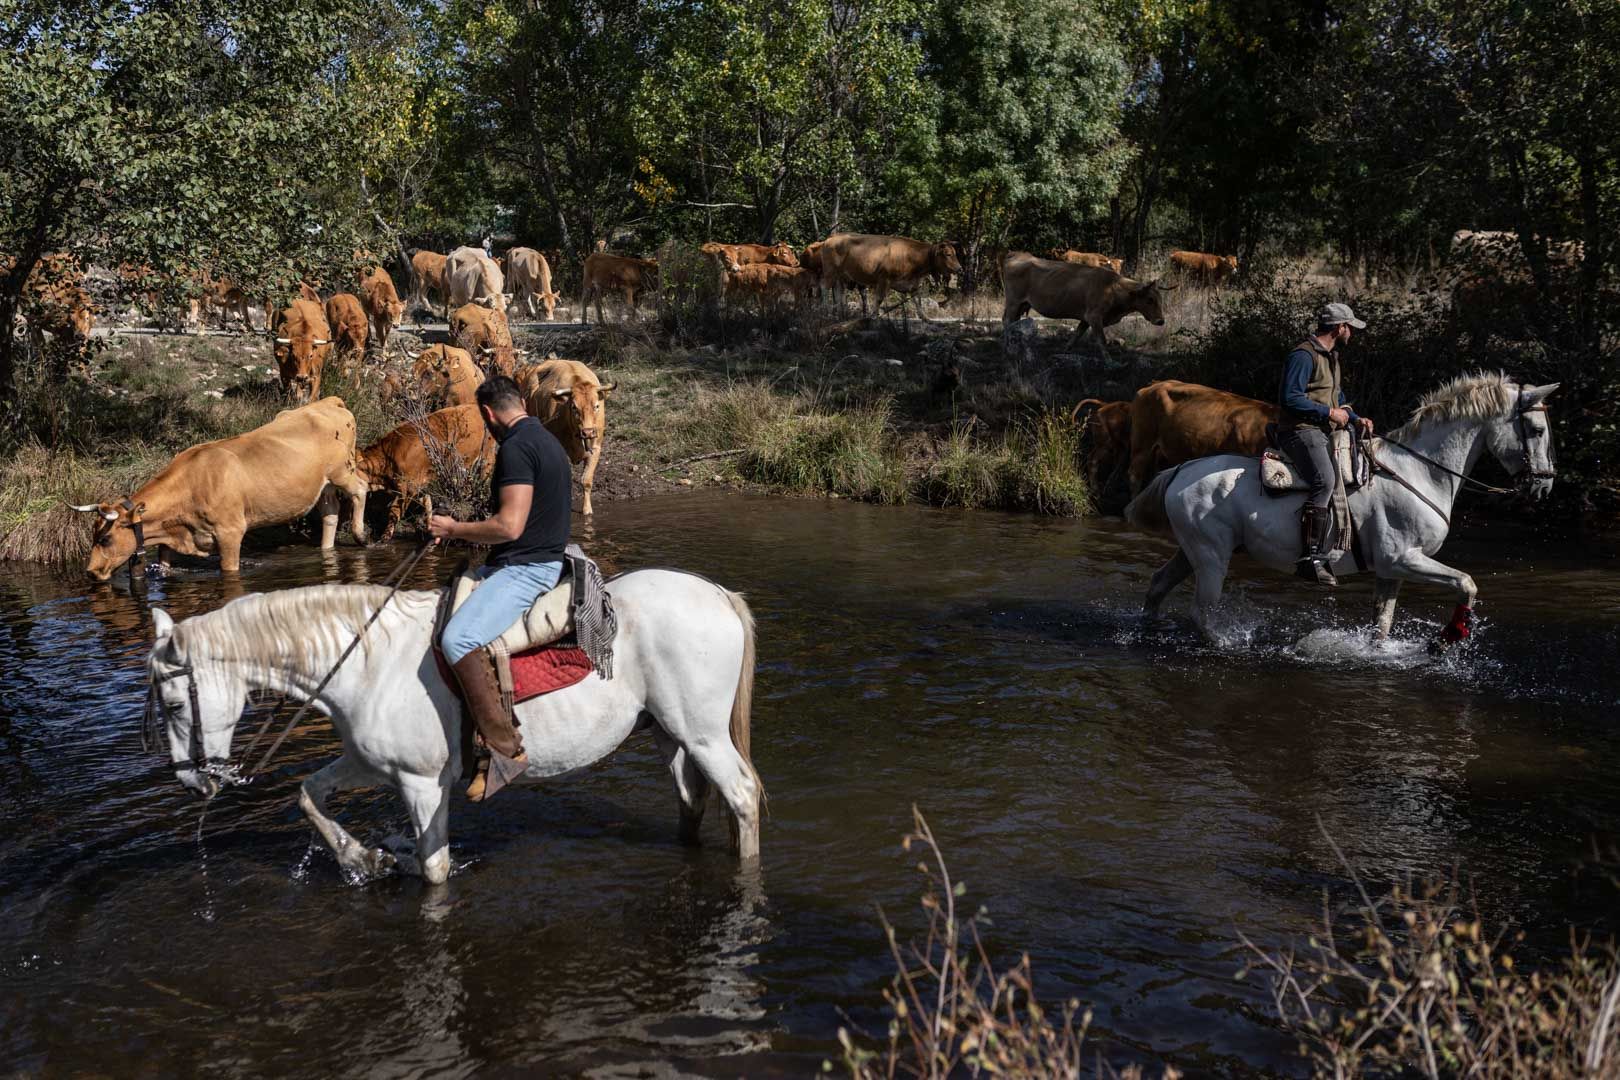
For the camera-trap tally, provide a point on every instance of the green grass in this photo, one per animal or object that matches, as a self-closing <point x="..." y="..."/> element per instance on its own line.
<point x="851" y="453"/>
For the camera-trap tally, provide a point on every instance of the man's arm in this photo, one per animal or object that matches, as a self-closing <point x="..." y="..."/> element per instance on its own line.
<point x="1296" y="377"/>
<point x="506" y="524"/>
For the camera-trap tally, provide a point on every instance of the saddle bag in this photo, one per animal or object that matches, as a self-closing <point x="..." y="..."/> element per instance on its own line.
<point x="1279" y="477"/>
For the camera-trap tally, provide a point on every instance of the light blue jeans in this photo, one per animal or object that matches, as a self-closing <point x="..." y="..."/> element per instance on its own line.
<point x="506" y="593"/>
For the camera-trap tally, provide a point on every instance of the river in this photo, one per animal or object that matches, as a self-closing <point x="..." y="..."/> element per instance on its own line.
<point x="1123" y="800"/>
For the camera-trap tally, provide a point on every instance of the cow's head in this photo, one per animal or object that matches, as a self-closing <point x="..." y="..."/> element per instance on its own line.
<point x="112" y="541"/>
<point x="548" y="300"/>
<point x="300" y="359"/>
<point x="782" y="254"/>
<point x="942" y="259"/>
<point x="393" y="311"/>
<point x="1147" y="302"/>
<point x="585" y="402"/>
<point x="500" y="358"/>
<point x="1230" y="262"/>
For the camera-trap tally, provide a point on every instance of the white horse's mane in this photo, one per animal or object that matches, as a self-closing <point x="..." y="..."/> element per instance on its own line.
<point x="1478" y="395"/>
<point x="291" y="628"/>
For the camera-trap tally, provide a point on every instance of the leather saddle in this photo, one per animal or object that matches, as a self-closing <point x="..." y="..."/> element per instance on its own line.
<point x="549" y="620"/>
<point x="1278" y="475"/>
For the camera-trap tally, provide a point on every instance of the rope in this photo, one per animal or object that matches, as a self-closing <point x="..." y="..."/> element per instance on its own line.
<point x="396" y="578"/>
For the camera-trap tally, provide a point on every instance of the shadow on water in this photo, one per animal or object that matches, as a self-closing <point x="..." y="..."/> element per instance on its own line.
<point x="1121" y="797"/>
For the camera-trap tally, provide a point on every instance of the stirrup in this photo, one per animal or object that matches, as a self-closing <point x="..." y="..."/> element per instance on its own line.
<point x="1314" y="568"/>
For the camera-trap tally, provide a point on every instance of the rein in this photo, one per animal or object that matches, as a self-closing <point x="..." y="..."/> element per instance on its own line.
<point x="1530" y="472"/>
<point x="157" y="708"/>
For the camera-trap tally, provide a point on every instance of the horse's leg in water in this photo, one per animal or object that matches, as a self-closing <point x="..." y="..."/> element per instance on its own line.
<point x="737" y="786"/>
<point x="1165" y="579"/>
<point x="428" y="801"/>
<point x="341" y="775"/>
<point x="1416" y="566"/>
<point x="1385" y="592"/>
<point x="691" y="786"/>
<point x="1211" y="570"/>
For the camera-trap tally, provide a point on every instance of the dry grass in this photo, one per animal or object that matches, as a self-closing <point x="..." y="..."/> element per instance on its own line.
<point x="1413" y="983"/>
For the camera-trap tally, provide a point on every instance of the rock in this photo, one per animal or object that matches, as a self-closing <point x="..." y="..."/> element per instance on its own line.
<point x="1018" y="340"/>
<point x="718" y="478"/>
<point x="852" y="358"/>
<point x="217" y="395"/>
<point x="890" y="361"/>
<point x="684" y="481"/>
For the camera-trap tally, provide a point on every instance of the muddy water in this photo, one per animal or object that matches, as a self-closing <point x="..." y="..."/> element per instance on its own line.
<point x="1122" y="801"/>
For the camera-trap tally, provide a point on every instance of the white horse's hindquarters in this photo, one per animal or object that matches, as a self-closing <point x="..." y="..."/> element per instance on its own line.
<point x="1217" y="502"/>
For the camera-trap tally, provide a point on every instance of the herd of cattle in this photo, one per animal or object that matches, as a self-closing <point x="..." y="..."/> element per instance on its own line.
<point x="210" y="495"/>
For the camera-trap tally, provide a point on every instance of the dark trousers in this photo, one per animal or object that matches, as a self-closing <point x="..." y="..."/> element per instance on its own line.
<point x="1308" y="448"/>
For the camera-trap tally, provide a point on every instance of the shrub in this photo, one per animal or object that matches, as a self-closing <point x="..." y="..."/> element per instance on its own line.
<point x="846" y="453"/>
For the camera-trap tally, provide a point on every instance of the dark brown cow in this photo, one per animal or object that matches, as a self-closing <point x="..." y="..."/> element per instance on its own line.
<point x="486" y="335"/>
<point x="883" y="263"/>
<point x="428" y="280"/>
<point x="1094" y="296"/>
<point x="1105" y="435"/>
<point x="209" y="496"/>
<point x="616" y="273"/>
<point x="382" y="304"/>
<point x="1202" y="268"/>
<point x="1173" y="422"/>
<point x="405" y="461"/>
<point x="571" y="401"/>
<point x="347" y="318"/>
<point x="303" y="340"/>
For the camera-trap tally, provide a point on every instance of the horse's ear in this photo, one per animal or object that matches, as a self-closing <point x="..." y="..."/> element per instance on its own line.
<point x="162" y="624"/>
<point x="1535" y="395"/>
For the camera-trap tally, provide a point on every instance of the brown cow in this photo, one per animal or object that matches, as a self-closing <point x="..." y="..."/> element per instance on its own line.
<point x="404" y="461"/>
<point x="531" y="280"/>
<point x="1202" y="268"/>
<point x="382" y="304"/>
<point x="55" y="302"/>
<point x="570" y="400"/>
<point x="209" y="496"/>
<point x="770" y="284"/>
<point x="883" y="263"/>
<point x="347" y="318"/>
<point x="1173" y="422"/>
<point x="486" y="335"/>
<point x="1094" y="296"/>
<point x="1105" y="432"/>
<point x="736" y="255"/>
<point x="1088" y="258"/>
<point x="303" y="340"/>
<point x="445" y="375"/>
<point x="619" y="273"/>
<point x="428" y="280"/>
<point x="473" y="278"/>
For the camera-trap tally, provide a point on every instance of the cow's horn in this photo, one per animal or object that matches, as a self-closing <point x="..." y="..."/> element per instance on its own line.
<point x="85" y="509"/>
<point x="283" y="341"/>
<point x="485" y="350"/>
<point x="562" y="394"/>
<point x="320" y="341"/>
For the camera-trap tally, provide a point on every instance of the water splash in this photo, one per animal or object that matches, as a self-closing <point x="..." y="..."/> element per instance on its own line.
<point x="207" y="912"/>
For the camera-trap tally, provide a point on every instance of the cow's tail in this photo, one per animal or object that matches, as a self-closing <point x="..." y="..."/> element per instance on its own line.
<point x="742" y="704"/>
<point x="1146" y="511"/>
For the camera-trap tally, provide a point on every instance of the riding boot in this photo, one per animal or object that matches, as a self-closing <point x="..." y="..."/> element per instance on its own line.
<point x="481" y="692"/>
<point x="1314" y="522"/>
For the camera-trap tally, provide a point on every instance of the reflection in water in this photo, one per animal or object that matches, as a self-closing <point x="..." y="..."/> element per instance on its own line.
<point x="1121" y="799"/>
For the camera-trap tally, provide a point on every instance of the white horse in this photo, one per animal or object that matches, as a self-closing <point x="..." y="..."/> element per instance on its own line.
<point x="1214" y="506"/>
<point x="683" y="668"/>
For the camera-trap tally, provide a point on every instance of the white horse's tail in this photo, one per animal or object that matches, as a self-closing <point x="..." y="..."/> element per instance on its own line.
<point x="742" y="706"/>
<point x="1146" y="511"/>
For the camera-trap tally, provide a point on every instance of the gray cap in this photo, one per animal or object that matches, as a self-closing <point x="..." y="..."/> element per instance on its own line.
<point x="1334" y="314"/>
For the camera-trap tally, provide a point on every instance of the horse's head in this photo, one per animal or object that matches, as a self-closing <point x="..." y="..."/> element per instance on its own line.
<point x="1522" y="440"/>
<point x="195" y="703"/>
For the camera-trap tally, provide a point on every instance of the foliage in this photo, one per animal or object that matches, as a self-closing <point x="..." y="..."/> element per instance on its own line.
<point x="844" y="453"/>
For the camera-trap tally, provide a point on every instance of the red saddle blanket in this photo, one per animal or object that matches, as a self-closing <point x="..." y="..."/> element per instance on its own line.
<point x="538" y="671"/>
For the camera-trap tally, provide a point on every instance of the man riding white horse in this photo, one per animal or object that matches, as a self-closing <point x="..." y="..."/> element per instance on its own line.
<point x="1311" y="403"/>
<point x="530" y="488"/>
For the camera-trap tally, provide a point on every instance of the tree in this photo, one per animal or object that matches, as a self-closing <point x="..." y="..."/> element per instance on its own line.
<point x="1025" y="119"/>
<point x="200" y="133"/>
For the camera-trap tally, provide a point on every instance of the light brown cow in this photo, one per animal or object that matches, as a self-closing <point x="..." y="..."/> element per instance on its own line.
<point x="1089" y="258"/>
<point x="428" y="281"/>
<point x="405" y="461"/>
<point x="486" y="335"/>
<point x="208" y="497"/>
<point x="1173" y="422"/>
<point x="883" y="263"/>
<point x="530" y="275"/>
<point x="473" y="278"/>
<point x="770" y="284"/>
<point x="1094" y="296"/>
<point x="444" y="375"/>
<point x="347" y="318"/>
<point x="736" y="255"/>
<point x="382" y="304"/>
<point x="55" y="302"/>
<point x="568" y="398"/>
<point x="303" y="340"/>
<point x="1202" y="268"/>
<point x="616" y="273"/>
<point x="1105" y="435"/>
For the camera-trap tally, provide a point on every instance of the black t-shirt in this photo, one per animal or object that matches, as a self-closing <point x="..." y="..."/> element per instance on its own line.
<point x="529" y="454"/>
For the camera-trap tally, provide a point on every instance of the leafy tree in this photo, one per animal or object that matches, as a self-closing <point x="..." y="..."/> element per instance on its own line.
<point x="189" y="135"/>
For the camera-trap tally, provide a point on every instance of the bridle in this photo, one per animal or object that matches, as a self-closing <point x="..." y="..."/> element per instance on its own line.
<point x="159" y="719"/>
<point x="140" y="536"/>
<point x="1525" y="476"/>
